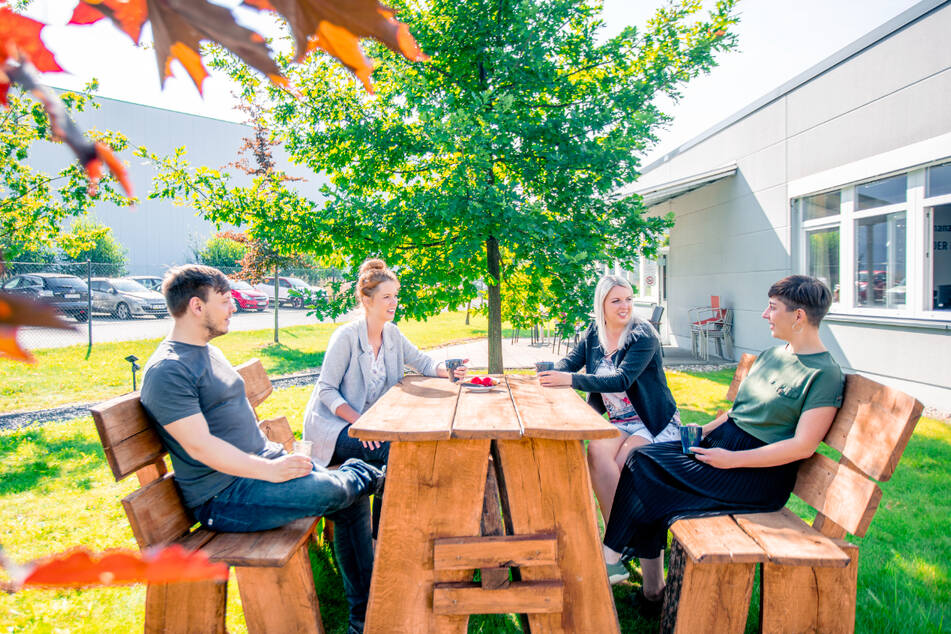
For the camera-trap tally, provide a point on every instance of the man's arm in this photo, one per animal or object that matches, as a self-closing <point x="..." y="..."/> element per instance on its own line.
<point x="192" y="434"/>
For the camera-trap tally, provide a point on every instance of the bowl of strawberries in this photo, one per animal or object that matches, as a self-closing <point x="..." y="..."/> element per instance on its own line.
<point x="480" y="384"/>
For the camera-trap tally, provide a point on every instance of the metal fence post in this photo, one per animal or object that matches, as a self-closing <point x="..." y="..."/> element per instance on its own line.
<point x="277" y="302"/>
<point x="89" y="306"/>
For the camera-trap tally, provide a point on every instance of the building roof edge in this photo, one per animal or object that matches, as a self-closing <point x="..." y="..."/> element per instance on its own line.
<point x="900" y="21"/>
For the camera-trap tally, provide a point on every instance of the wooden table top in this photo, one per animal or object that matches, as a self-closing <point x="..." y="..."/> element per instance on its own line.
<point x="426" y="408"/>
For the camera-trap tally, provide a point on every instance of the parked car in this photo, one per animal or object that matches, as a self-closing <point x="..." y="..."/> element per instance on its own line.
<point x="151" y="282"/>
<point x="68" y="293"/>
<point x="126" y="298"/>
<point x="287" y="284"/>
<point x="246" y="297"/>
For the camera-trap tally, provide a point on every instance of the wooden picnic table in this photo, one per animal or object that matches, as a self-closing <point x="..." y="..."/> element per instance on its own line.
<point x="443" y="517"/>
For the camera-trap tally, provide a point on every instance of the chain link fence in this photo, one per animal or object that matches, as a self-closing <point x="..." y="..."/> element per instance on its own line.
<point x="116" y="302"/>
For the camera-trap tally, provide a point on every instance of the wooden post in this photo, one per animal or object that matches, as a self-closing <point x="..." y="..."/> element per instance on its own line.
<point x="280" y="599"/>
<point x="708" y="597"/>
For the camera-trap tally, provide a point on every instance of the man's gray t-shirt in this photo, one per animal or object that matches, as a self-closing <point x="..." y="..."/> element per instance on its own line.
<point x="181" y="380"/>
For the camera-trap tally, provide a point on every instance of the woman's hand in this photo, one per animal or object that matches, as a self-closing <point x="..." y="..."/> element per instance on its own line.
<point x="371" y="444"/>
<point x="554" y="378"/>
<point x="459" y="372"/>
<point x="715" y="457"/>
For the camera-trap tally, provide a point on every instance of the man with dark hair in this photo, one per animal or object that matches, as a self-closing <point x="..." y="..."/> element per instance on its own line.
<point x="231" y="477"/>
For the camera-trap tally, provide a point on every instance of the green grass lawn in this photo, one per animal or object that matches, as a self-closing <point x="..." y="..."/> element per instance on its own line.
<point x="56" y="491"/>
<point x="65" y="375"/>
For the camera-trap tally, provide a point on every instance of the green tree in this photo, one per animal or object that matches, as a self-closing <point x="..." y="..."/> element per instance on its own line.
<point x="88" y="239"/>
<point x="224" y="250"/>
<point x="33" y="203"/>
<point x="504" y="159"/>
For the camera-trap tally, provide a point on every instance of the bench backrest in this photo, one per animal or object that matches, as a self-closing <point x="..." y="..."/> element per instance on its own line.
<point x="132" y="445"/>
<point x="870" y="431"/>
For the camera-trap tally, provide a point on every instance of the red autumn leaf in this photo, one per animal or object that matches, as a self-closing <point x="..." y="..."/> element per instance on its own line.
<point x="336" y="26"/>
<point x="178" y="26"/>
<point x="10" y="348"/>
<point x="20" y="38"/>
<point x="79" y="568"/>
<point x="128" y="15"/>
<point x="104" y="154"/>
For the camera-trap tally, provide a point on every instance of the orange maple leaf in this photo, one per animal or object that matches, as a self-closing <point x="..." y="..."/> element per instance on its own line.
<point x="10" y="348"/>
<point x="128" y="15"/>
<point x="79" y="567"/>
<point x="335" y="26"/>
<point x="20" y="37"/>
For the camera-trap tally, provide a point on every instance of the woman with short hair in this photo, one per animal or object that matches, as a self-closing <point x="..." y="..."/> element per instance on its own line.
<point x="749" y="456"/>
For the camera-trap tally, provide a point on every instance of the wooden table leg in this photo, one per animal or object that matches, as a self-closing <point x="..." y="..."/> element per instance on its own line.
<point x="433" y="489"/>
<point x="548" y="489"/>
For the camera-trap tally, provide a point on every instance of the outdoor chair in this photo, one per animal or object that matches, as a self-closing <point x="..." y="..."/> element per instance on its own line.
<point x="656" y="313"/>
<point x="721" y="332"/>
<point x="704" y="319"/>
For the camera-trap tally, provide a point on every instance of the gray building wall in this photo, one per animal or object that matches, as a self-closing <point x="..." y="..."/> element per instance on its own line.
<point x="158" y="233"/>
<point x="735" y="237"/>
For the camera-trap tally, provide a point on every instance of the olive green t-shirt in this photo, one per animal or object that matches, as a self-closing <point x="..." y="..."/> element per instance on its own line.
<point x="781" y="386"/>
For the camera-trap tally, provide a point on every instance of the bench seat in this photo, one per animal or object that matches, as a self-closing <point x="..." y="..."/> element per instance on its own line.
<point x="272" y="567"/>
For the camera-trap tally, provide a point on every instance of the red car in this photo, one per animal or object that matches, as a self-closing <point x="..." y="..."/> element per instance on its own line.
<point x="246" y="297"/>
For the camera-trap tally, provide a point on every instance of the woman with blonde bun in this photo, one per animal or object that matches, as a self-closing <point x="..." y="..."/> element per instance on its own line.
<point x="364" y="359"/>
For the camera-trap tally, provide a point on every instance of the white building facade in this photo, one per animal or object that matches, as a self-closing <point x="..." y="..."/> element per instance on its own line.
<point x="157" y="233"/>
<point x="843" y="173"/>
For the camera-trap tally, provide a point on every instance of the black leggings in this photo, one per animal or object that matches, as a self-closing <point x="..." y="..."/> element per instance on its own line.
<point x="346" y="448"/>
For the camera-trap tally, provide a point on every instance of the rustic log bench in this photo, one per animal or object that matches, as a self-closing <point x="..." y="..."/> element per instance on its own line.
<point x="272" y="567"/>
<point x="808" y="573"/>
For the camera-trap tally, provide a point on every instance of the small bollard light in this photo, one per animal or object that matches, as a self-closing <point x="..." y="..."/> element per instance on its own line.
<point x="135" y="366"/>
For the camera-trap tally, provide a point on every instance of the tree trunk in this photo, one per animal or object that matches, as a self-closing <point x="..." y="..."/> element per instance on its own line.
<point x="495" y="306"/>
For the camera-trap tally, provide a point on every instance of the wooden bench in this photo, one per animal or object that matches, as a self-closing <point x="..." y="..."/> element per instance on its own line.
<point x="808" y="573"/>
<point x="272" y="567"/>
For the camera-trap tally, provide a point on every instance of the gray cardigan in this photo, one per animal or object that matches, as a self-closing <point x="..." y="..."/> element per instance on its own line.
<point x="345" y="375"/>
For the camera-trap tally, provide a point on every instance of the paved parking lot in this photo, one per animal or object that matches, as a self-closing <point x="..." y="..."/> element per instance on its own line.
<point x="107" y="328"/>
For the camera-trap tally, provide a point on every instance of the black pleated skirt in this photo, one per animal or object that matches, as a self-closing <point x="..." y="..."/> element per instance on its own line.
<point x="660" y="485"/>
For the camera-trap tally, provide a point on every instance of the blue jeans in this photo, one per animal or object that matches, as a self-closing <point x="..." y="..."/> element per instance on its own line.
<point x="249" y="505"/>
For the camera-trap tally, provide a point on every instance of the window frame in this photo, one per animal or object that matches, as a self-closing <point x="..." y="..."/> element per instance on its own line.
<point x="919" y="243"/>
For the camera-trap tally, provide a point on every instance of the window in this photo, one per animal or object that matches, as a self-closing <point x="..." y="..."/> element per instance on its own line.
<point x="883" y="246"/>
<point x="822" y="257"/>
<point x="880" y="260"/>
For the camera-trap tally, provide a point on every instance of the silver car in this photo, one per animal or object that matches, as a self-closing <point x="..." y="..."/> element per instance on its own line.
<point x="125" y="298"/>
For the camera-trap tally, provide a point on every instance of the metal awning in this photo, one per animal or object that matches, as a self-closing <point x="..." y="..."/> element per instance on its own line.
<point x="665" y="191"/>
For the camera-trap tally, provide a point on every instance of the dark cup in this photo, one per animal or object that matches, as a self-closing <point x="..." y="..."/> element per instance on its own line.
<point x="451" y="365"/>
<point x="544" y="366"/>
<point x="690" y="436"/>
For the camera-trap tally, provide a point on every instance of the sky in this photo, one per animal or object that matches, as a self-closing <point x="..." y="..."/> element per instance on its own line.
<point x="778" y="39"/>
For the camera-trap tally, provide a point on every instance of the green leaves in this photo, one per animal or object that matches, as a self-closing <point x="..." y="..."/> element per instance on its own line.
<point x="525" y="126"/>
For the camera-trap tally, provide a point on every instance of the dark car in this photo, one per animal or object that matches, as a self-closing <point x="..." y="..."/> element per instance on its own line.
<point x="67" y="293"/>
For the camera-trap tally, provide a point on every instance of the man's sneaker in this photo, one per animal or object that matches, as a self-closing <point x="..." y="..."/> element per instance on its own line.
<point x="617" y="573"/>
